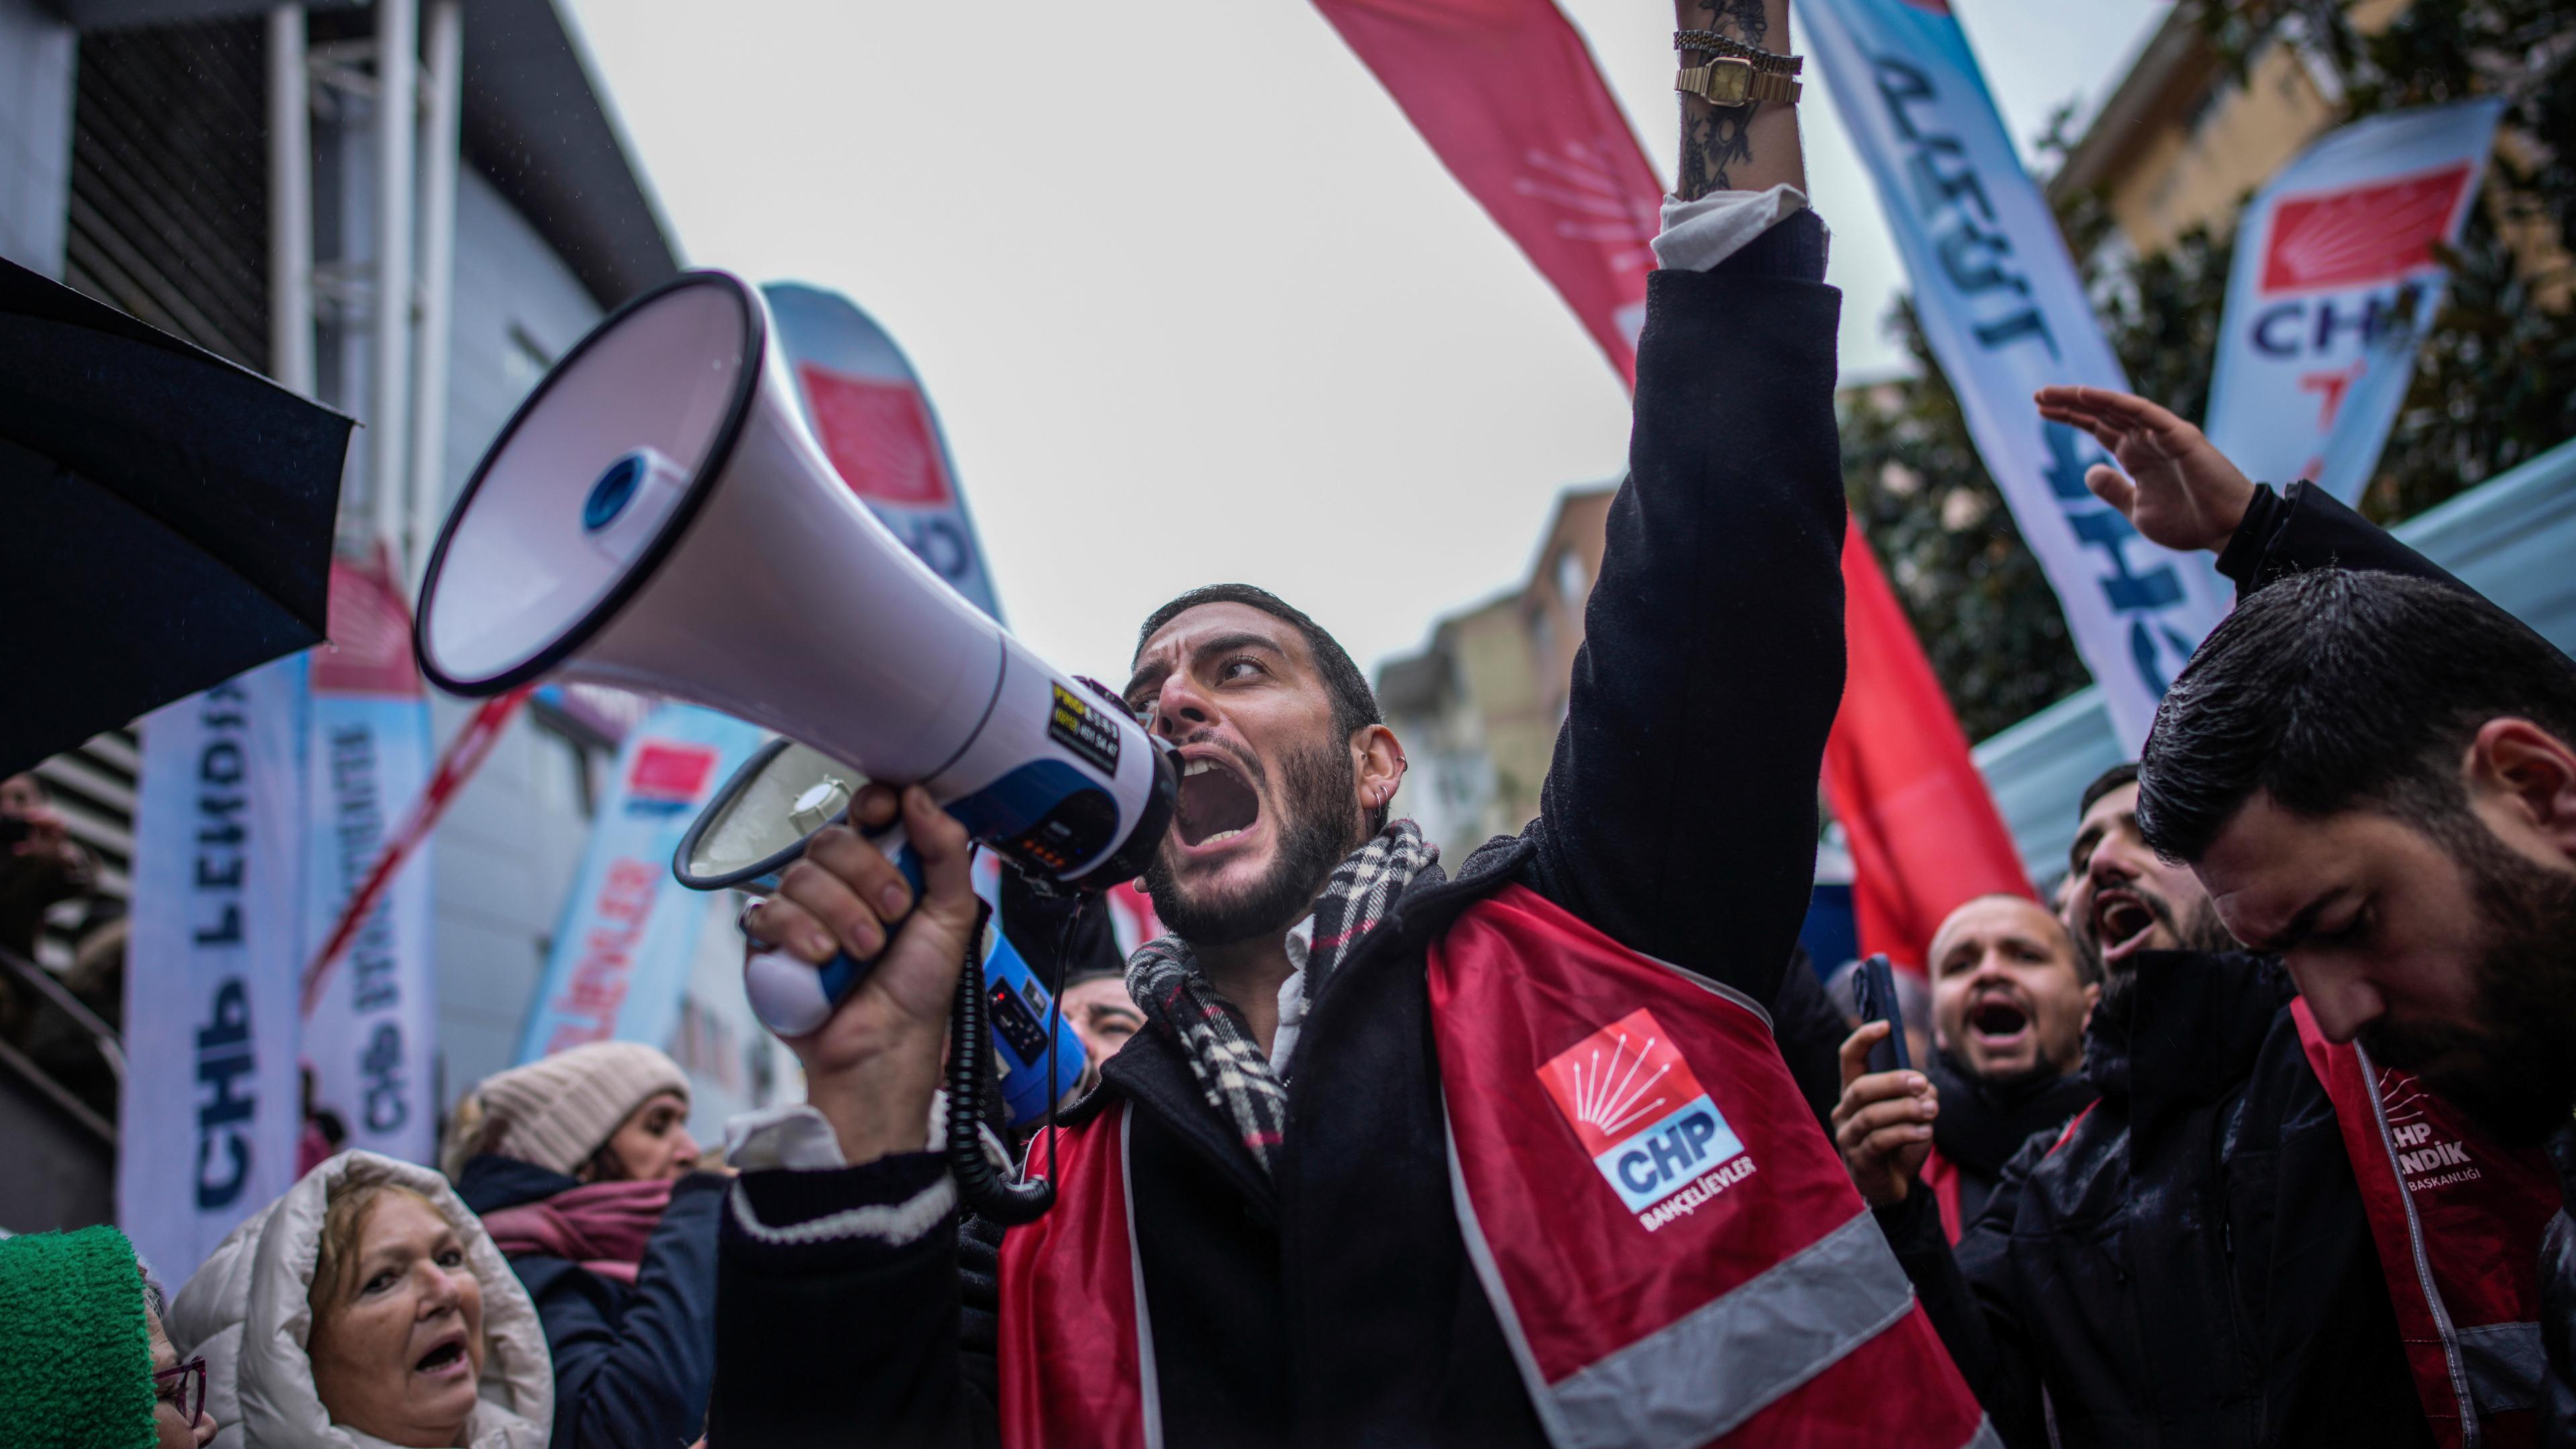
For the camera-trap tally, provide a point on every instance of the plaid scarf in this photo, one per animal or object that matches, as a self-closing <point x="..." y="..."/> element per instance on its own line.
<point x="1177" y="997"/>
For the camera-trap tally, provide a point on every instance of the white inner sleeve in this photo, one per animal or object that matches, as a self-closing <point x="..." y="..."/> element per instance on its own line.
<point x="1699" y="234"/>
<point x="795" y="1136"/>
<point x="1292" y="996"/>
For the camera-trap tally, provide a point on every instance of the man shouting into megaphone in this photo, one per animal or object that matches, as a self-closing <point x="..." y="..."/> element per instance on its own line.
<point x="1499" y="1157"/>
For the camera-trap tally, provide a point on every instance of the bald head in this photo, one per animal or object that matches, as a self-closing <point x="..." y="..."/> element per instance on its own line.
<point x="2006" y="993"/>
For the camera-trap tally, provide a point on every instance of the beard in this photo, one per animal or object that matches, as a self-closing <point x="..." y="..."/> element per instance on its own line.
<point x="1316" y="829"/>
<point x="2195" y="929"/>
<point x="2516" y="1074"/>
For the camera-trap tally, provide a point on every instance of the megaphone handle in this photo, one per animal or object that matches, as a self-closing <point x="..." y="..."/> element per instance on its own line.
<point x="843" y="973"/>
<point x="791" y="998"/>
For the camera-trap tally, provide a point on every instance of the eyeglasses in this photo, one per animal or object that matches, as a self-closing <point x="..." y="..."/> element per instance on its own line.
<point x="183" y="1388"/>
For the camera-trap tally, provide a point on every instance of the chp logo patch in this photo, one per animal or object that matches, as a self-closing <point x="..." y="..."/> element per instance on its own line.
<point x="1644" y="1119"/>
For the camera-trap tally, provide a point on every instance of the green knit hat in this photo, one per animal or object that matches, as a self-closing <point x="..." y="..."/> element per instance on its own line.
<point x="75" y="1356"/>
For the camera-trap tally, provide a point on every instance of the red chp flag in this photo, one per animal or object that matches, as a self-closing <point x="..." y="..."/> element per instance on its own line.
<point x="1923" y="830"/>
<point x="1510" y="100"/>
<point x="1508" y="97"/>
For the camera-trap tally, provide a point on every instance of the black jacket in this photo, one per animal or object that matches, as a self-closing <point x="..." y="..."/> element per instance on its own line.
<point x="1335" y="1305"/>
<point x="633" y="1364"/>
<point x="1984" y="1122"/>
<point x="2558" y="1305"/>
<point x="2190" y="1266"/>
<point x="2306" y="528"/>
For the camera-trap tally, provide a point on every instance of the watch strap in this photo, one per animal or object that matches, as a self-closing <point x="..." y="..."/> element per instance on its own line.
<point x="1709" y="42"/>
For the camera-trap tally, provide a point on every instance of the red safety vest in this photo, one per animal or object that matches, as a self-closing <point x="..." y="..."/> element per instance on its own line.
<point x="1675" y="1253"/>
<point x="1941" y="1175"/>
<point x="2457" y="1220"/>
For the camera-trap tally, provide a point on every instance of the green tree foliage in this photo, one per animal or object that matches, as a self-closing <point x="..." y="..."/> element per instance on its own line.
<point x="2495" y="380"/>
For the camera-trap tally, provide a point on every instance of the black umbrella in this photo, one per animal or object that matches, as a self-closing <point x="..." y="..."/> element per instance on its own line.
<point x="165" y="518"/>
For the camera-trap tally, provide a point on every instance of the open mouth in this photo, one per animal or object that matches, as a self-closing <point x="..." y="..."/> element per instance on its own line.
<point x="1215" y="804"/>
<point x="444" y="1359"/>
<point x="2121" y="920"/>
<point x="1998" y="1019"/>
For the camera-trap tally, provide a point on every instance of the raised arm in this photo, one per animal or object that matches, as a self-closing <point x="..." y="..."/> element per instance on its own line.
<point x="1679" y="813"/>
<point x="1737" y="148"/>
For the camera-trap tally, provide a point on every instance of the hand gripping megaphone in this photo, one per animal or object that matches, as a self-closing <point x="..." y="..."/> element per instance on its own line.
<point x="657" y="517"/>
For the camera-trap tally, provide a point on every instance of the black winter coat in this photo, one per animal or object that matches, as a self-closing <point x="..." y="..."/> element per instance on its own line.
<point x="1984" y="1123"/>
<point x="2305" y="528"/>
<point x="2190" y="1266"/>
<point x="1335" y="1304"/>
<point x="633" y="1364"/>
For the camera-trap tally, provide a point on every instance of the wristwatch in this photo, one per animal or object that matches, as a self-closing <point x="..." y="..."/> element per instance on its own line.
<point x="1728" y="82"/>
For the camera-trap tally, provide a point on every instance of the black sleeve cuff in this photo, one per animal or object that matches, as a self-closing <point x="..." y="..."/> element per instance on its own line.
<point x="802" y="1221"/>
<point x="2242" y="560"/>
<point x="783" y="1198"/>
<point x="1793" y="247"/>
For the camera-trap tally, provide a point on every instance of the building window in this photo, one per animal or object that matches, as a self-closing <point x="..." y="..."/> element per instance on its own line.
<point x="1571" y="580"/>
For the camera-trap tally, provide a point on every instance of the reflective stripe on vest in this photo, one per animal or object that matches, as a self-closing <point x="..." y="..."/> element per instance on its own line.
<point x="1674" y="1252"/>
<point x="2457" y="1221"/>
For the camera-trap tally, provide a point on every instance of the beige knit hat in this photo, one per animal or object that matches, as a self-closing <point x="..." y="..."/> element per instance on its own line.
<point x="558" y="1110"/>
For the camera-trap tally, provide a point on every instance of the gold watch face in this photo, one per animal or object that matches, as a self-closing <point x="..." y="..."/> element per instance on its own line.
<point x="1730" y="82"/>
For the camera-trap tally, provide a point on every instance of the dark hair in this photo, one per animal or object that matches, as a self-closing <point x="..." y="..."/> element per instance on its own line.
<point x="2124" y="773"/>
<point x="1354" y="703"/>
<point x="2333" y="690"/>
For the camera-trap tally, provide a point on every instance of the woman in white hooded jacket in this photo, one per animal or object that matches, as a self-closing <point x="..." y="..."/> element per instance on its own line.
<point x="420" y="1334"/>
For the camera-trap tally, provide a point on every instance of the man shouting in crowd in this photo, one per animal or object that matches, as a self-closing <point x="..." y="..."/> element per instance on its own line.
<point x="2009" y="998"/>
<point x="2373" y="771"/>
<point x="2221" y="1252"/>
<point x="1499" y="1158"/>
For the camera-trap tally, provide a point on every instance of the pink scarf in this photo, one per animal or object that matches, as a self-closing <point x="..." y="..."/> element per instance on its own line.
<point x="602" y="1226"/>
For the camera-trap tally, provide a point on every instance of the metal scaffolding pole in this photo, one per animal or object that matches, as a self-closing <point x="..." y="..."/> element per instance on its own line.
<point x="444" y="58"/>
<point x="397" y="120"/>
<point x="290" y="203"/>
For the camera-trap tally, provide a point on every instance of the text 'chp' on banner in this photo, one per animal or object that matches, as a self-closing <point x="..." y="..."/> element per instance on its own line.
<point x="371" y="1036"/>
<point x="2334" y="282"/>
<point x="2005" y="314"/>
<point x="622" y="950"/>
<point x="873" y="418"/>
<point x="210" y="1111"/>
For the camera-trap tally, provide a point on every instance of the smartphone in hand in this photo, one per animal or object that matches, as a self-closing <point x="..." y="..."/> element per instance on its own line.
<point x="1874" y="997"/>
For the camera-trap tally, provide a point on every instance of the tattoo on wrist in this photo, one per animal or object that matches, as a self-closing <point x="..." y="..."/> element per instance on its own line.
<point x="1715" y="138"/>
<point x="1745" y="20"/>
<point x="1712" y="140"/>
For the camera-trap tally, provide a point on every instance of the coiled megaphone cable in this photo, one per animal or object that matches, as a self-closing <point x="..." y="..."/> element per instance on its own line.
<point x="981" y="1186"/>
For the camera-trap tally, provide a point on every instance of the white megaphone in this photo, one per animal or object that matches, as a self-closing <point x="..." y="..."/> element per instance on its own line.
<point x="657" y="517"/>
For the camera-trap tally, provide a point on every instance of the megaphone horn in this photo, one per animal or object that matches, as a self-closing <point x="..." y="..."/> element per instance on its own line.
<point x="657" y="517"/>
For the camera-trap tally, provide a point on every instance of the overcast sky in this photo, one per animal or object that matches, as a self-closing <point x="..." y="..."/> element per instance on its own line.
<point x="1192" y="300"/>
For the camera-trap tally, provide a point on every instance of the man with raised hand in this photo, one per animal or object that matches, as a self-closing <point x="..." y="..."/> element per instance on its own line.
<point x="1499" y="1158"/>
<point x="2254" y="1237"/>
<point x="2372" y="770"/>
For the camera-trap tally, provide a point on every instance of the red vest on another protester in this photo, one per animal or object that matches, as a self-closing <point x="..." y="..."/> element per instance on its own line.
<point x="2457" y="1220"/>
<point x="1675" y="1253"/>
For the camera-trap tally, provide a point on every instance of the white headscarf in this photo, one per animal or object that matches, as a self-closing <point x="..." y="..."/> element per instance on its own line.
<point x="247" y="1310"/>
